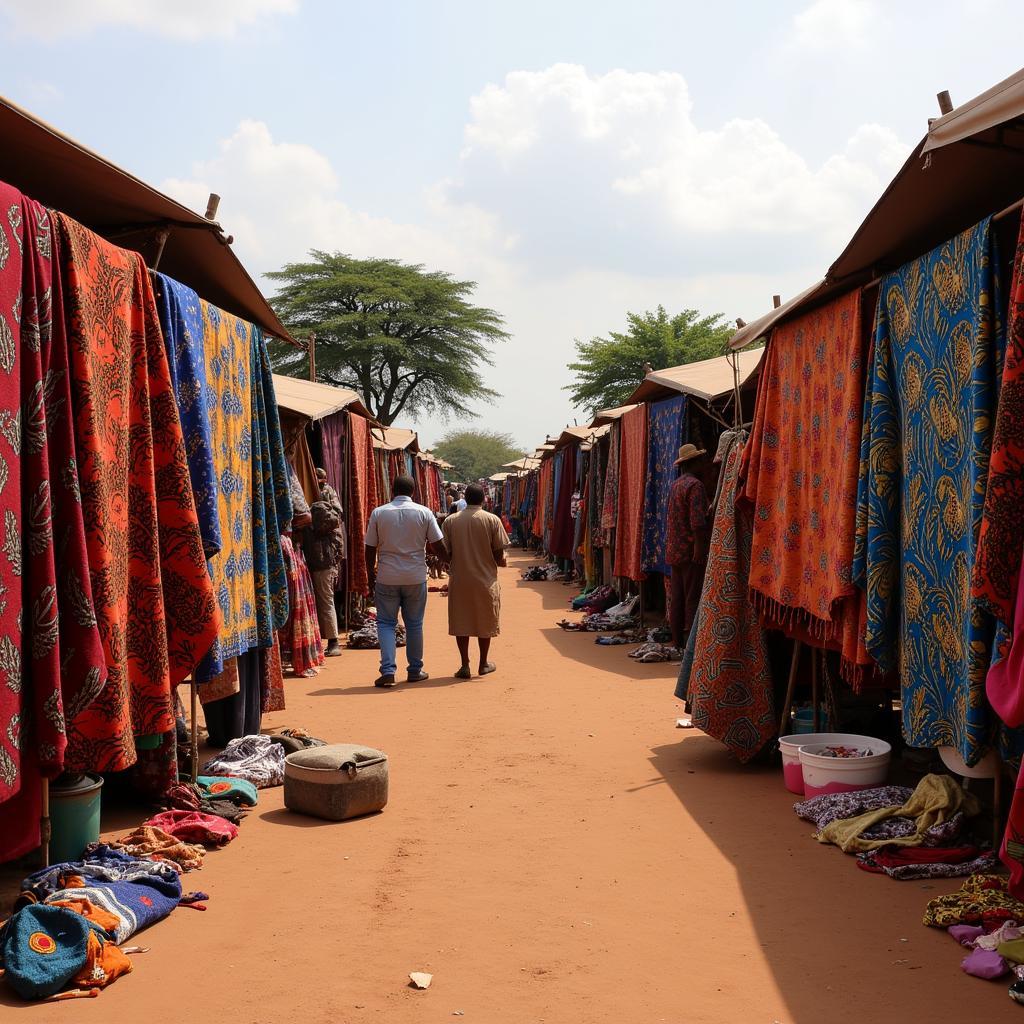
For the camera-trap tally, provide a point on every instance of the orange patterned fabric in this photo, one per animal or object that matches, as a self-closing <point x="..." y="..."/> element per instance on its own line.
<point x="151" y="590"/>
<point x="364" y="500"/>
<point x="801" y="469"/>
<point x="632" y="477"/>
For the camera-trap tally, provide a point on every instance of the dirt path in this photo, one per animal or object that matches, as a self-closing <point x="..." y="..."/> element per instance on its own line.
<point x="554" y="850"/>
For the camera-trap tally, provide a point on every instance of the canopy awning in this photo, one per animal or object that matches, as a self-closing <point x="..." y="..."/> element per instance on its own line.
<point x="315" y="400"/>
<point x="572" y="435"/>
<point x="396" y="439"/>
<point x="526" y="462"/>
<point x="708" y="379"/>
<point x="610" y="415"/>
<point x="61" y="173"/>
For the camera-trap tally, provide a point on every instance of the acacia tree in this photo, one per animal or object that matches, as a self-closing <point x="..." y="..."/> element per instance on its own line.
<point x="608" y="370"/>
<point x="406" y="339"/>
<point x="476" y="454"/>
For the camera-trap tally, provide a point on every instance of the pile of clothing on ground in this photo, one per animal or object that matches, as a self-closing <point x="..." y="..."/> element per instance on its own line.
<point x="536" y="573"/>
<point x="365" y="638"/>
<point x="602" y="614"/>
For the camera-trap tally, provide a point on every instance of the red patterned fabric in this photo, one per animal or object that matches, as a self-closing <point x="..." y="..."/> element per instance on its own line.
<point x="632" y="475"/>
<point x="272" y="677"/>
<point x="363" y="491"/>
<point x="301" y="634"/>
<point x="151" y="590"/>
<point x="11" y="691"/>
<point x="801" y="469"/>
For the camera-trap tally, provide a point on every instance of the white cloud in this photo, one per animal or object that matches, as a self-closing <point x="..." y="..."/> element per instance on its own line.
<point x="179" y="19"/>
<point x="615" y="170"/>
<point x="575" y="198"/>
<point x="835" y="24"/>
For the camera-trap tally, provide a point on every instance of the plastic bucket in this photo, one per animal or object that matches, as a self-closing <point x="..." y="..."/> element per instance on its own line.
<point x="792" y="769"/>
<point x="74" y="816"/>
<point x="803" y="721"/>
<point x="844" y="774"/>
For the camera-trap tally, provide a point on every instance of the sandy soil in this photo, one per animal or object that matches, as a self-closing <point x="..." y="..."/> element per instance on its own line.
<point x="554" y="851"/>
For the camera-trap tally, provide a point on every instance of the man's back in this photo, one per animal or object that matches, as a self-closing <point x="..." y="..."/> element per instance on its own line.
<point x="472" y="538"/>
<point x="400" y="531"/>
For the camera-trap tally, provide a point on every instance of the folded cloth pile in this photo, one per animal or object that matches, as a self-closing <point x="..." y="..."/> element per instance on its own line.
<point x="600" y="622"/>
<point x="154" y="843"/>
<point x="990" y="949"/>
<point x="653" y="652"/>
<point x="937" y="799"/>
<point x="365" y="637"/>
<point x="194" y="827"/>
<point x="831" y="807"/>
<point x="257" y="759"/>
<point x="982" y="899"/>
<point x="47" y="949"/>
<point x="632" y="636"/>
<point x="100" y="863"/>
<point x="185" y="796"/>
<point x="915" y="862"/>
<point x="294" y="740"/>
<point x="536" y="573"/>
<point x="597" y="600"/>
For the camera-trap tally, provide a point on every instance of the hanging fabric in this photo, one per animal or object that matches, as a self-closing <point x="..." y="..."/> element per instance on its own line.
<point x="363" y="491"/>
<point x="924" y="462"/>
<point x="632" y="471"/>
<point x="666" y="431"/>
<point x="152" y="594"/>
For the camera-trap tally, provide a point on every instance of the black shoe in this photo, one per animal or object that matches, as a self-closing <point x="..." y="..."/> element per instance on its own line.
<point x="417" y="677"/>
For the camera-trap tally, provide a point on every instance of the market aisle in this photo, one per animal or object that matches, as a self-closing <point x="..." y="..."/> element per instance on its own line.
<point x="554" y="850"/>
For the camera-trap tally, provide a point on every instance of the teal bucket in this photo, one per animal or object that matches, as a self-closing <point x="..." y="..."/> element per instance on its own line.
<point x="803" y="722"/>
<point x="74" y="816"/>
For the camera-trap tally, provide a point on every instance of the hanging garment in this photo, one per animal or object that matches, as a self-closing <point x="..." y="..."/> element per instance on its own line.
<point x="924" y="463"/>
<point x="632" y="471"/>
<point x="730" y="683"/>
<point x="151" y="590"/>
<point x="666" y="431"/>
<point x="11" y="696"/>
<point x="301" y="634"/>
<point x="272" y="678"/>
<point x="563" y="526"/>
<point x="363" y="498"/>
<point x="610" y="498"/>
<point x="801" y="470"/>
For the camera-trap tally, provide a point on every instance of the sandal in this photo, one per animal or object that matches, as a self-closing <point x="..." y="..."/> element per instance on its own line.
<point x="488" y="669"/>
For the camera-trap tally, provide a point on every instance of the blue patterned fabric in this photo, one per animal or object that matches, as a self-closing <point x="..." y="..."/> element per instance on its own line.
<point x="181" y="319"/>
<point x="925" y="447"/>
<point x="271" y="501"/>
<point x="666" y="432"/>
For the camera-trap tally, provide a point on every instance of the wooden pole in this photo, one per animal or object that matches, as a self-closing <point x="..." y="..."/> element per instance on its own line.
<point x="787" y="704"/>
<point x="815" y="691"/>
<point x="312" y="355"/>
<point x="945" y="103"/>
<point x="776" y="301"/>
<point x="195" y="728"/>
<point x="161" y="240"/>
<point x="212" y="205"/>
<point x="45" y="830"/>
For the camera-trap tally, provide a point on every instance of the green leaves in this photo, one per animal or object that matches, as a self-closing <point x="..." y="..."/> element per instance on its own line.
<point x="476" y="454"/>
<point x="408" y="340"/>
<point x="608" y="370"/>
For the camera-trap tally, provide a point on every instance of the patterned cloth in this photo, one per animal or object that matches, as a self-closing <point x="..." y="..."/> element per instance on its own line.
<point x="257" y="759"/>
<point x="11" y="710"/>
<point x="666" y="431"/>
<point x="272" y="678"/>
<point x="151" y="590"/>
<point x="632" y="470"/>
<point x="563" y="527"/>
<point x="924" y="461"/>
<point x="181" y="319"/>
<point x="610" y="499"/>
<point x="730" y="683"/>
<point x="982" y="899"/>
<point x="301" y="634"/>
<point x="153" y="843"/>
<point x="801" y="469"/>
<point x="947" y="862"/>
<point x="363" y="500"/>
<point x="686" y="516"/>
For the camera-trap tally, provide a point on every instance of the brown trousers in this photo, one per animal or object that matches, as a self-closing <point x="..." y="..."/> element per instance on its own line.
<point x="685" y="585"/>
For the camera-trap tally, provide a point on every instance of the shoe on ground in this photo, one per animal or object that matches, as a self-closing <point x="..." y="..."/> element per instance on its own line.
<point x="333" y="649"/>
<point x="417" y="677"/>
<point x="384" y="682"/>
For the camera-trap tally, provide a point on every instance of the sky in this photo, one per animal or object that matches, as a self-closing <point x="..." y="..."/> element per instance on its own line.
<point x="578" y="159"/>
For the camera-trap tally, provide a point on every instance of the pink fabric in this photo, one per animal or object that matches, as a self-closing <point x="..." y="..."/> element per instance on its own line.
<point x="195" y="827"/>
<point x="1003" y="682"/>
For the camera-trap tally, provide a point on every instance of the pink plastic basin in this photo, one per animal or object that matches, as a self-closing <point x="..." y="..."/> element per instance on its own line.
<point x="844" y="774"/>
<point x="792" y="769"/>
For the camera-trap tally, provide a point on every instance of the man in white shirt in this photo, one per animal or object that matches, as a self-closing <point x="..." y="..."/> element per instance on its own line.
<point x="397" y="537"/>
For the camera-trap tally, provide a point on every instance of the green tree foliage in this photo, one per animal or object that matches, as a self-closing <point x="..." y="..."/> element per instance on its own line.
<point x="608" y="370"/>
<point x="476" y="454"/>
<point x="407" y="340"/>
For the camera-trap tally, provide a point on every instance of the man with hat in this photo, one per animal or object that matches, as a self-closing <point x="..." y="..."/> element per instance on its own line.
<point x="686" y="542"/>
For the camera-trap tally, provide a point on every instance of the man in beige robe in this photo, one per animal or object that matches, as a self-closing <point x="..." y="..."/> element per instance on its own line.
<point x="476" y="543"/>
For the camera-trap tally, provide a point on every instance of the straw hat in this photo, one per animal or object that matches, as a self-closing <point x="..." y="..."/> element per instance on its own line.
<point x="689" y="451"/>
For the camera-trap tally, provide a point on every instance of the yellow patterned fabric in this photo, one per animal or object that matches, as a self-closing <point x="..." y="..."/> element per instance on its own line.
<point x="924" y="461"/>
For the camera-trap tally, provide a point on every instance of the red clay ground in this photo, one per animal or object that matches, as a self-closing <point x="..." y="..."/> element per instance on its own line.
<point x="554" y="851"/>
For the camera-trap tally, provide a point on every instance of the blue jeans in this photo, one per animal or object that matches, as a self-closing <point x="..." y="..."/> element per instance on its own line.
<point x="411" y="600"/>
